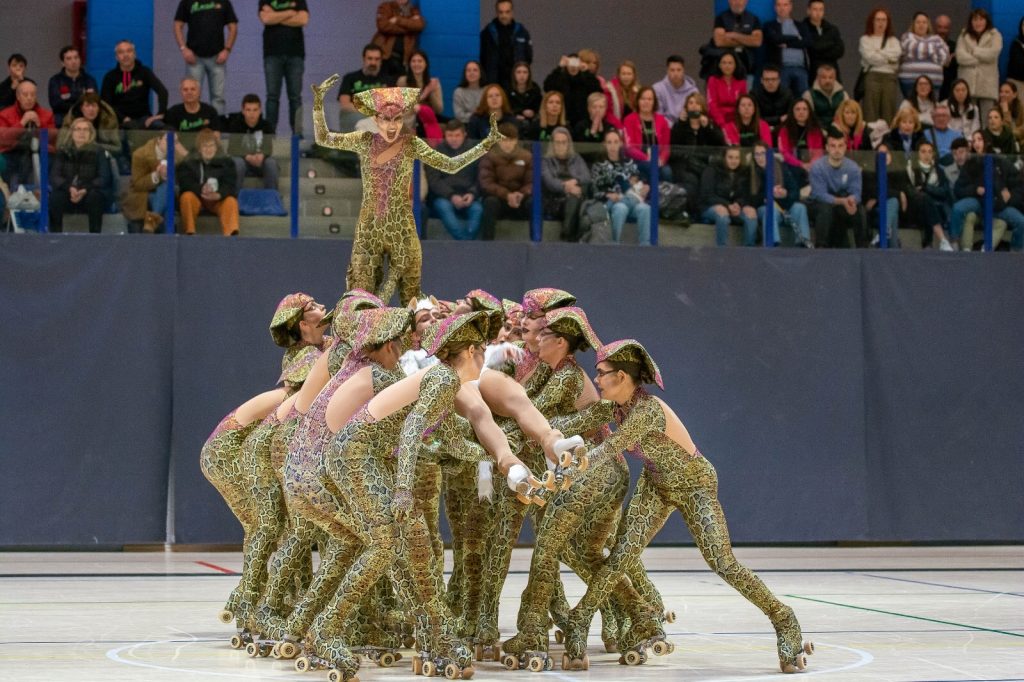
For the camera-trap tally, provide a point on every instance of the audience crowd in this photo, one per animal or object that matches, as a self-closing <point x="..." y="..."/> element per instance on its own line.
<point x="928" y="99"/>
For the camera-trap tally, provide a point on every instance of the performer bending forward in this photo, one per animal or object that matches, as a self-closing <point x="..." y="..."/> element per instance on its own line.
<point x="386" y="226"/>
<point x="676" y="476"/>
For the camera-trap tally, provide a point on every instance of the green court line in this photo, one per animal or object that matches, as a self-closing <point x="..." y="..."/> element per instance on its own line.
<point x="907" y="615"/>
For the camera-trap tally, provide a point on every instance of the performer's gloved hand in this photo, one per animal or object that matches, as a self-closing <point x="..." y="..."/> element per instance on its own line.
<point x="484" y="481"/>
<point x="401" y="504"/>
<point x="517" y="473"/>
<point x="320" y="90"/>
<point x="498" y="356"/>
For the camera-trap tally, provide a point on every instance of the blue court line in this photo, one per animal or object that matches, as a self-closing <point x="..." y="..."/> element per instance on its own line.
<point x="953" y="587"/>
<point x="907" y="615"/>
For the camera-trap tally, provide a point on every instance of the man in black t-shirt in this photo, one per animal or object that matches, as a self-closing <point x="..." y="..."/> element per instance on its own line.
<point x="206" y="50"/>
<point x="284" y="54"/>
<point x="191" y="115"/>
<point x="127" y="88"/>
<point x="367" y="78"/>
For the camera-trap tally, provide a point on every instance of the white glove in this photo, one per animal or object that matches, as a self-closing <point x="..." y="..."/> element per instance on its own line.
<point x="516" y="475"/>
<point x="484" y="481"/>
<point x="564" y="444"/>
<point x="503" y="353"/>
<point x="551" y="464"/>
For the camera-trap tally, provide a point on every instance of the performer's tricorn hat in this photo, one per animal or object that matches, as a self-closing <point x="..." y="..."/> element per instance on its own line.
<point x="483" y="301"/>
<point x="380" y="325"/>
<point x="344" y="313"/>
<point x="467" y="327"/>
<point x="545" y="299"/>
<point x="630" y="350"/>
<point x="284" y="326"/>
<point x="572" y="321"/>
<point x="296" y="363"/>
<point x="386" y="102"/>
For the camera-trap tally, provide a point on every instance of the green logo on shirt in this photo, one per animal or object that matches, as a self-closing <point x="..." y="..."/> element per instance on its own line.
<point x="204" y="6"/>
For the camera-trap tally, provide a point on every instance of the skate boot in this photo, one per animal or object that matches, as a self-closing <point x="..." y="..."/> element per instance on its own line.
<point x="272" y="631"/>
<point x="227" y="614"/>
<point x="610" y="629"/>
<point x="527" y="651"/>
<point x="646" y="636"/>
<point x="379" y="646"/>
<point x="793" y="651"/>
<point x="454" y="662"/>
<point x="486" y="644"/>
<point x="330" y="654"/>
<point x="575" y="637"/>
<point x="384" y="657"/>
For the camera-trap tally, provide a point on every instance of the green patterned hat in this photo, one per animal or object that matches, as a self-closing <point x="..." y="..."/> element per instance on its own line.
<point x="284" y="327"/>
<point x="630" y="350"/>
<point x="572" y="321"/>
<point x="545" y="299"/>
<point x="380" y="325"/>
<point x="467" y="327"/>
<point x="351" y="302"/>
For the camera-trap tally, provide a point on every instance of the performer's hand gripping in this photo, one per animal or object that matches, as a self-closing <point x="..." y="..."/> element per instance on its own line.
<point x="320" y="90"/>
<point x="401" y="504"/>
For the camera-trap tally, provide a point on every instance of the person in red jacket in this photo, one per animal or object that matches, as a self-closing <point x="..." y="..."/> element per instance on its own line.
<point x="18" y="124"/>
<point x="645" y="128"/>
<point x="724" y="89"/>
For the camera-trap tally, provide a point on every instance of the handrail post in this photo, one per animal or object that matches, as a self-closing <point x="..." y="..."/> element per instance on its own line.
<point x="293" y="203"/>
<point x="769" y="198"/>
<point x="169" y="209"/>
<point x="536" y="212"/>
<point x="881" y="168"/>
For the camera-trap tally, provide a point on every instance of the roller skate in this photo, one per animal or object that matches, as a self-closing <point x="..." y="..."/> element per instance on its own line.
<point x="575" y="639"/>
<point x="537" y="491"/>
<point x="793" y="651"/>
<point x="486" y="649"/>
<point x="458" y="664"/>
<point x="527" y="652"/>
<point x="273" y="632"/>
<point x="241" y="639"/>
<point x="646" y="636"/>
<point x="330" y="655"/>
<point x="384" y="657"/>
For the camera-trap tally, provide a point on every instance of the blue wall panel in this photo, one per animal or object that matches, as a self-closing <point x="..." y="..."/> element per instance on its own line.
<point x="111" y="21"/>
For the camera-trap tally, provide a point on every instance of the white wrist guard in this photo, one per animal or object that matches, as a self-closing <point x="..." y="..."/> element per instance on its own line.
<point x="516" y="475"/>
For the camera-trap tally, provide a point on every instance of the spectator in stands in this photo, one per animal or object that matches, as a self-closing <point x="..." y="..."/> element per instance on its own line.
<point x="145" y="202"/>
<point x="69" y="84"/>
<point x="904" y="135"/>
<point x="623" y="89"/>
<point x="399" y="24"/>
<point x="127" y="88"/>
<point x="746" y="127"/>
<point x="785" y="45"/>
<point x="725" y="198"/>
<point x="494" y="102"/>
<point x="880" y="53"/>
<point x="822" y="40"/>
<point x="552" y="116"/>
<point x="616" y="181"/>
<point x="591" y="61"/>
<point x="431" y="102"/>
<point x="1013" y="110"/>
<point x="207" y="181"/>
<point x="284" y="56"/>
<point x="572" y="79"/>
<point x="941" y="134"/>
<point x="924" y="54"/>
<point x="78" y="175"/>
<point x="455" y="198"/>
<point x="566" y="181"/>
<point x="724" y="90"/>
<point x="963" y="215"/>
<point x="467" y="96"/>
<point x="506" y="180"/>
<point x="645" y="128"/>
<point x="251" y="144"/>
<point x="977" y="54"/>
<point x="102" y="118"/>
<point x="999" y="133"/>
<point x="191" y="115"/>
<point x="695" y="140"/>
<point x="773" y="100"/>
<point x="19" y="125"/>
<point x="368" y="77"/>
<point x="964" y="115"/>
<point x="1015" y="63"/>
<point x="826" y="93"/>
<point x="926" y="198"/>
<point x="922" y="100"/>
<point x="16" y="65"/>
<point x="786" y="204"/>
<point x="801" y="140"/>
<point x="205" y="49"/>
<point x="672" y="90"/>
<point x="740" y="31"/>
<point x="943" y="25"/>
<point x="836" y="183"/>
<point x="849" y="121"/>
<point x="504" y="42"/>
<point x="592" y="131"/>
<point x="525" y="96"/>
<point x="969" y="192"/>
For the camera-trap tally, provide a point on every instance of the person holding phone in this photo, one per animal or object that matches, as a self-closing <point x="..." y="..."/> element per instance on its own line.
<point x="209" y="182"/>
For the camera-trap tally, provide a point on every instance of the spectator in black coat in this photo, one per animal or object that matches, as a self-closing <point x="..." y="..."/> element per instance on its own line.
<point x="251" y="143"/>
<point x="773" y="99"/>
<point x="572" y="79"/>
<point x="503" y="43"/>
<point x="695" y="142"/>
<point x="822" y="40"/>
<point x="68" y="84"/>
<point x="78" y="174"/>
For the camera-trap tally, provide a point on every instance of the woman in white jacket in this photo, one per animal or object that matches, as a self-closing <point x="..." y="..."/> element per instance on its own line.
<point x="977" y="54"/>
<point x="880" y="53"/>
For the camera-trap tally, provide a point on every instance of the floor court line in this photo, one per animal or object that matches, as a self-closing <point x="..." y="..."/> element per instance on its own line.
<point x="217" y="568"/>
<point x="954" y="587"/>
<point x="1009" y="633"/>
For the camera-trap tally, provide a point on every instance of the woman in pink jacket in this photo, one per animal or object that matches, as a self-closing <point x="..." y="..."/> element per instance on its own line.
<point x="724" y="90"/>
<point x="645" y="128"/>
<point x="747" y="127"/>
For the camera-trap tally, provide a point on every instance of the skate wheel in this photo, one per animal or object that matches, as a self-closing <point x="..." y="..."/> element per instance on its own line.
<point x="670" y="616"/>
<point x="265" y="651"/>
<point x="536" y="664"/>
<point x="548" y="480"/>
<point x="671" y="647"/>
<point x="660" y="648"/>
<point x="236" y="642"/>
<point x="334" y="675"/>
<point x="496" y="653"/>
<point x="397" y="655"/>
<point x="430" y="669"/>
<point x="565" y="459"/>
<point x="586" y="662"/>
<point x="584" y="462"/>
<point x="225" y="616"/>
<point x="633" y="657"/>
<point x="386" y="660"/>
<point x="566" y="482"/>
<point x="523" y="499"/>
<point x="478" y="652"/>
<point x="808" y="648"/>
<point x="417" y="665"/>
<point x="539" y="501"/>
<point x="287" y="649"/>
<point x="275" y="651"/>
<point x="467" y="672"/>
<point x="549" y="663"/>
<point x="566" y="662"/>
<point x="252" y="649"/>
<point x="302" y="664"/>
<point x="511" y="662"/>
<point x="451" y="671"/>
<point x="622" y="660"/>
<point x="559" y="636"/>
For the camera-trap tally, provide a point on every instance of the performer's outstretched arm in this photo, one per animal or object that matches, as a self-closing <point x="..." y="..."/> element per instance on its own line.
<point x="453" y="164"/>
<point x="321" y="133"/>
<point x="645" y="417"/>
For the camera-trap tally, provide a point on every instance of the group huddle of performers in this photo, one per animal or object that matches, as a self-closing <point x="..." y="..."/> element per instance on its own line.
<point x="383" y="413"/>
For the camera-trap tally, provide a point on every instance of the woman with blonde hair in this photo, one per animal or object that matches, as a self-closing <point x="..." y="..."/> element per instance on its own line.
<point x="78" y="174"/>
<point x="849" y="121"/>
<point x="552" y="115"/>
<point x="623" y="90"/>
